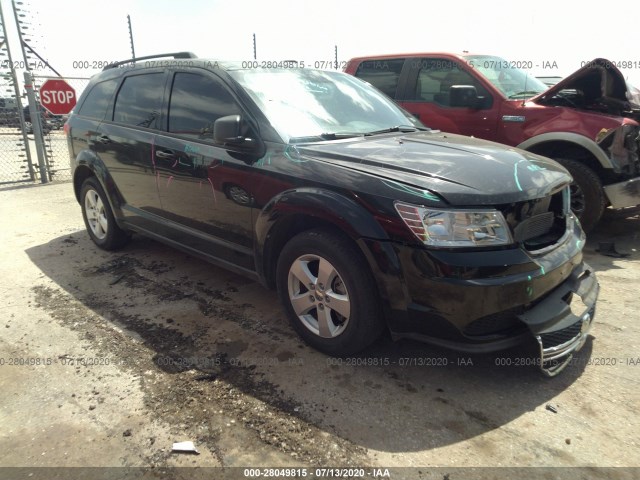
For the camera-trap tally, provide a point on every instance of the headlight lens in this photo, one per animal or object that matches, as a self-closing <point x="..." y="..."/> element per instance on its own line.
<point x="455" y="228"/>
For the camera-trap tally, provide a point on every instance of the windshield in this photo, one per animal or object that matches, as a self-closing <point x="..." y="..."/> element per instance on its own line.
<point x="506" y="76"/>
<point x="311" y="105"/>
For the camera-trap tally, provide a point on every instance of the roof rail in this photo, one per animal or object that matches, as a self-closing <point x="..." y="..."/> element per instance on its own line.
<point x="161" y="55"/>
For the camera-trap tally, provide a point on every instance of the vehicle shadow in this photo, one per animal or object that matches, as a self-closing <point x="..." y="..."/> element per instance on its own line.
<point x="193" y="317"/>
<point x="617" y="233"/>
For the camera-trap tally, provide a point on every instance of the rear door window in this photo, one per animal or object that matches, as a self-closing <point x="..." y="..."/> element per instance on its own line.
<point x="382" y="74"/>
<point x="139" y="100"/>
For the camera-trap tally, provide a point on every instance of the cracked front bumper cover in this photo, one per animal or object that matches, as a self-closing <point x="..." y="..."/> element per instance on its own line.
<point x="562" y="321"/>
<point x="624" y="194"/>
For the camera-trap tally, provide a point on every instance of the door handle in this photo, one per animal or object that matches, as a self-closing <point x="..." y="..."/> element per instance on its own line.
<point x="103" y="139"/>
<point x="165" y="154"/>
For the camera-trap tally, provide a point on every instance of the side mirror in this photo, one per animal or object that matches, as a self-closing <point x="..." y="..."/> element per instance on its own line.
<point x="227" y="130"/>
<point x="464" y="96"/>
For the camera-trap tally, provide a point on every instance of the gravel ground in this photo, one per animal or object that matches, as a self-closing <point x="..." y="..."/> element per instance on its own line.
<point x="106" y="359"/>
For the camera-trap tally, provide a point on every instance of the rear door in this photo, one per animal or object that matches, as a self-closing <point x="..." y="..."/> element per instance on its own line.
<point x="125" y="143"/>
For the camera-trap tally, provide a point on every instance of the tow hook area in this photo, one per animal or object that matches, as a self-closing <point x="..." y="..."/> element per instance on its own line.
<point x="557" y="348"/>
<point x="562" y="321"/>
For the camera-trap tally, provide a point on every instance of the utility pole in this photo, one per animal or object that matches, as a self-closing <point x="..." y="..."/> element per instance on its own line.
<point x="133" y="50"/>
<point x="255" y="57"/>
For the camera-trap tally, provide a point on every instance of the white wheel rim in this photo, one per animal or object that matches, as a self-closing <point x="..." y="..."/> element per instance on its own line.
<point x="319" y="296"/>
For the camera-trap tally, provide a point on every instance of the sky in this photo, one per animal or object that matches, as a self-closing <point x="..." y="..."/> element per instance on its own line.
<point x="74" y="34"/>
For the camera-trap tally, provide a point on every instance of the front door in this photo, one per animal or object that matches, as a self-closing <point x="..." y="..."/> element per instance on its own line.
<point x="200" y="184"/>
<point x="427" y="96"/>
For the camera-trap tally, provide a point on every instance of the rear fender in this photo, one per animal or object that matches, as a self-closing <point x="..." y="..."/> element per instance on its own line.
<point x="88" y="164"/>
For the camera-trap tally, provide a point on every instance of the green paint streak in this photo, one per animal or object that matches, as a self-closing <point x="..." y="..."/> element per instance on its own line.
<point x="529" y="289"/>
<point x="515" y="175"/>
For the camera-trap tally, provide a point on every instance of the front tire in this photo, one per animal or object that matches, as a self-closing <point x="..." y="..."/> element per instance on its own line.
<point x="588" y="200"/>
<point x="328" y="292"/>
<point x="98" y="217"/>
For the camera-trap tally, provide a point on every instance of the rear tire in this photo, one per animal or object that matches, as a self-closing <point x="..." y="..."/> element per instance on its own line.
<point x="328" y="292"/>
<point x="98" y="217"/>
<point x="588" y="200"/>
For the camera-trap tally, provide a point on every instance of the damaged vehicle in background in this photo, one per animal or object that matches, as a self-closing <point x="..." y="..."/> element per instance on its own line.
<point x="588" y="122"/>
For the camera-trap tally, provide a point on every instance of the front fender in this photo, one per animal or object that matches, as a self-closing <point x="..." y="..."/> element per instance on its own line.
<point x="580" y="140"/>
<point x="296" y="210"/>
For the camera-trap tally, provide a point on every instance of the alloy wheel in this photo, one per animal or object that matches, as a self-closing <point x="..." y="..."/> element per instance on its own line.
<point x="319" y="296"/>
<point x="96" y="214"/>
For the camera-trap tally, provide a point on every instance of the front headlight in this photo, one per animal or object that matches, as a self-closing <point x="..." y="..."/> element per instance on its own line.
<point x="455" y="228"/>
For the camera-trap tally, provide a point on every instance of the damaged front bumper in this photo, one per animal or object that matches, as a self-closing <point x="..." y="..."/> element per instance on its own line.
<point x="622" y="145"/>
<point x="624" y="194"/>
<point x="563" y="320"/>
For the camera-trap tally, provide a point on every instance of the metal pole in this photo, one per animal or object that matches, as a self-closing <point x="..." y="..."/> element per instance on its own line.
<point x="21" y="40"/>
<point x="24" y="44"/>
<point x="25" y="139"/>
<point x="37" y="128"/>
<point x="41" y="59"/>
<point x="133" y="51"/>
<point x="254" y="47"/>
<point x="335" y="52"/>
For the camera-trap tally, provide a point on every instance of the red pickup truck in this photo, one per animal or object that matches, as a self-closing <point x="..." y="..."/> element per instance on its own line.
<point x="588" y="122"/>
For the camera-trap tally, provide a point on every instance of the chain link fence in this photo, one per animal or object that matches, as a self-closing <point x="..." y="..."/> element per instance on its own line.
<point x="18" y="156"/>
<point x="15" y="161"/>
<point x="55" y="142"/>
<point x="23" y="157"/>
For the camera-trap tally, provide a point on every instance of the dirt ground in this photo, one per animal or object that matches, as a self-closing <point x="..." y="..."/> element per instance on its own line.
<point x="106" y="359"/>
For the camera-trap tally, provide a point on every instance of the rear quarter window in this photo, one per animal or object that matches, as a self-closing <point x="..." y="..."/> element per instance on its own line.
<point x="98" y="99"/>
<point x="382" y="74"/>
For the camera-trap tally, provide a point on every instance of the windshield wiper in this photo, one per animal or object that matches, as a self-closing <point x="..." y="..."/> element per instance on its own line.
<point x="339" y="135"/>
<point x="397" y="128"/>
<point x="526" y="92"/>
<point x="325" y="136"/>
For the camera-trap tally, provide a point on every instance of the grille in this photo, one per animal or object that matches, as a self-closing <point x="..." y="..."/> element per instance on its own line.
<point x="493" y="324"/>
<point x="533" y="227"/>
<point x="553" y="339"/>
<point x="538" y="223"/>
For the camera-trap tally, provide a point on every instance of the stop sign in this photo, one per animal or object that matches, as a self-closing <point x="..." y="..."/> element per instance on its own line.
<point x="57" y="96"/>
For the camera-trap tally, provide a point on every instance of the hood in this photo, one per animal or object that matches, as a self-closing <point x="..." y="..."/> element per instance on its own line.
<point x="464" y="171"/>
<point x="598" y="86"/>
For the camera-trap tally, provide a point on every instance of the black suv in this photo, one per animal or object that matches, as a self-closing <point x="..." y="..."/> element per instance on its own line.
<point x="314" y="183"/>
